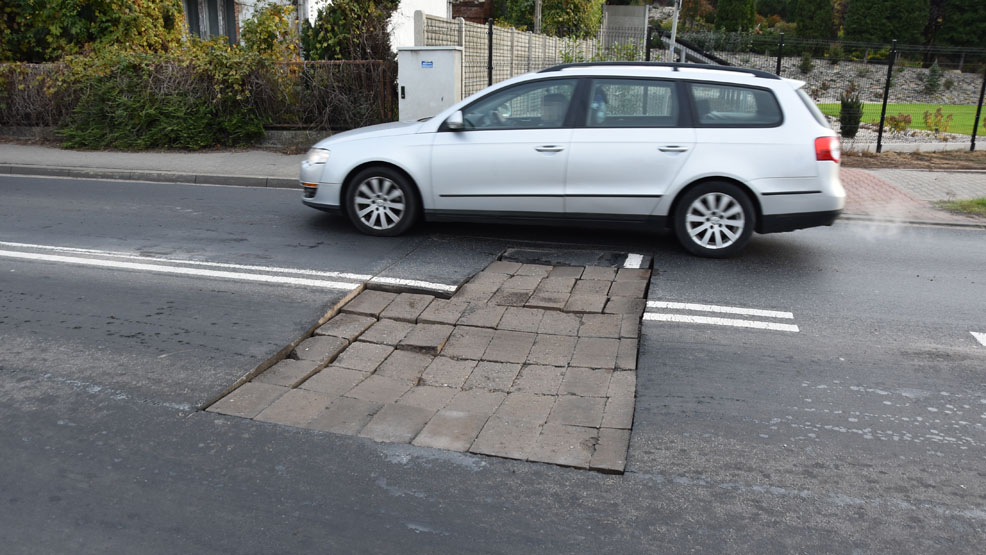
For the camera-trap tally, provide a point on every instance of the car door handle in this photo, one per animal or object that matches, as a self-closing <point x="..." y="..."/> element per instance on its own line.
<point x="549" y="148"/>
<point x="673" y="148"/>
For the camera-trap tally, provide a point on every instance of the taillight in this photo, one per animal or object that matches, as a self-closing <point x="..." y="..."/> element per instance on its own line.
<point x="828" y="148"/>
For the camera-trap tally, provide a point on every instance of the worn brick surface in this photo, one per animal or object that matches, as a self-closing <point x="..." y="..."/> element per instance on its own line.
<point x="397" y="423"/>
<point x="369" y="303"/>
<point x="478" y="401"/>
<point x="626" y="356"/>
<point x="611" y="451"/>
<point x="248" y="400"/>
<point x="364" y="357"/>
<point x="626" y="305"/>
<point x="552" y="350"/>
<point x="502" y="266"/>
<point x="451" y="430"/>
<point x="556" y="285"/>
<point x="573" y="272"/>
<point x="509" y="346"/>
<point x="428" y="397"/>
<point x="542" y="380"/>
<point x="379" y="389"/>
<point x="560" y="323"/>
<point x="591" y="287"/>
<point x="426" y="338"/>
<point x="553" y="301"/>
<point x="521" y="283"/>
<point x="505" y="297"/>
<point x="585" y="303"/>
<point x="521" y="319"/>
<point x="467" y="342"/>
<point x="513" y="439"/>
<point x="447" y="372"/>
<point x="490" y="278"/>
<point x="526" y="406"/>
<point x="633" y="274"/>
<point x="345" y="325"/>
<point x="618" y="413"/>
<point x="492" y="376"/>
<point x="296" y="408"/>
<point x="565" y="445"/>
<point x="586" y="382"/>
<point x="387" y="332"/>
<point x="634" y="288"/>
<point x="482" y="315"/>
<point x="443" y="311"/>
<point x="599" y="272"/>
<point x="623" y="384"/>
<point x="578" y="411"/>
<point x="538" y="270"/>
<point x="345" y="416"/>
<point x="595" y="352"/>
<point x="322" y="349"/>
<point x="334" y="380"/>
<point x="630" y="327"/>
<point x="407" y="307"/>
<point x="601" y="325"/>
<point x="406" y="366"/>
<point x="475" y="292"/>
<point x="288" y="372"/>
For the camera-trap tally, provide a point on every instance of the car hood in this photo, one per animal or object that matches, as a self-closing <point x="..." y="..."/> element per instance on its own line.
<point x="372" y="132"/>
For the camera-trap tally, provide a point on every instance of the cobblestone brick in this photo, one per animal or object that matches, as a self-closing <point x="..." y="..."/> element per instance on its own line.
<point x="630" y="328"/>
<point x="369" y="303"/>
<point x="626" y="356"/>
<point x="345" y="325"/>
<point x="427" y="338"/>
<point x="288" y="372"/>
<point x="585" y="303"/>
<point x="513" y="439"/>
<point x="379" y="389"/>
<point x="628" y="289"/>
<point x="552" y="350"/>
<point x="428" y="397"/>
<point x="446" y="372"/>
<point x="566" y="272"/>
<point x="611" y="451"/>
<point x="248" y="400"/>
<point x="521" y="283"/>
<point x="578" y="411"/>
<point x="442" y="311"/>
<point x="586" y="382"/>
<point x="492" y="376"/>
<point x="553" y="301"/>
<point x="626" y="305"/>
<point x="633" y="274"/>
<point x="599" y="273"/>
<point x="565" y="445"/>
<point x="477" y="401"/>
<point x="560" y="323"/>
<point x="538" y="270"/>
<point x="591" y="287"/>
<point x="541" y="380"/>
<point x="345" y="416"/>
<point x="321" y="350"/>
<point x="364" y="357"/>
<point x="521" y="319"/>
<point x="618" y="413"/>
<point x="504" y="267"/>
<point x="397" y="423"/>
<point x="601" y="325"/>
<point x="405" y="366"/>
<point x="387" y="332"/>
<point x="407" y="307"/>
<point x="595" y="352"/>
<point x="475" y="293"/>
<point x="509" y="346"/>
<point x="511" y="298"/>
<point x="451" y="430"/>
<point x="556" y="285"/>
<point x="482" y="315"/>
<point x="334" y="380"/>
<point x="526" y="406"/>
<point x="296" y="408"/>
<point x="468" y="342"/>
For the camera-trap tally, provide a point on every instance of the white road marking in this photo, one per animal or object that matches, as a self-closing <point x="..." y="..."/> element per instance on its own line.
<point x="980" y="337"/>
<point x="633" y="261"/>
<point x="414" y="283"/>
<point x="164" y="269"/>
<point x="720" y="309"/>
<point x="687" y="319"/>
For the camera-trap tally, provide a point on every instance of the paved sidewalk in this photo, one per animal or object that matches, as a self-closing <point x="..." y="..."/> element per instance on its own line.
<point x="906" y="195"/>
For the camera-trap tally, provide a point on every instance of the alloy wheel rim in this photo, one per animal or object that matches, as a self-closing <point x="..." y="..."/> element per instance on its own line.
<point x="380" y="203"/>
<point x="715" y="220"/>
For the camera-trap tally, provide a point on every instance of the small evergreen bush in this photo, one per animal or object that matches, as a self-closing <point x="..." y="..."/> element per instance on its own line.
<point x="850" y="112"/>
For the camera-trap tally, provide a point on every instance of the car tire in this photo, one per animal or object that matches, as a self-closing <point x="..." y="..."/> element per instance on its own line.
<point x="381" y="201"/>
<point x="714" y="220"/>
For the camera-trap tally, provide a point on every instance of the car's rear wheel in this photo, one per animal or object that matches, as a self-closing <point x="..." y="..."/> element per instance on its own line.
<point x="381" y="202"/>
<point x="714" y="219"/>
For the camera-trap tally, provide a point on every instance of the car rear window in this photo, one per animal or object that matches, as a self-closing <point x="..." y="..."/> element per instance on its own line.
<point x="734" y="106"/>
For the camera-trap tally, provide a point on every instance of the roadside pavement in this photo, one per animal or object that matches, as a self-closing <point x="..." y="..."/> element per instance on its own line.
<point x="893" y="195"/>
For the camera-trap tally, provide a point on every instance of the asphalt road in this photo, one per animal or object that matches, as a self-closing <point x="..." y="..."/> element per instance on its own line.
<point x="862" y="432"/>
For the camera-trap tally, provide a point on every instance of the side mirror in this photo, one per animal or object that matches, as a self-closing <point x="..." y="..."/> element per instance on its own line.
<point x="454" y="122"/>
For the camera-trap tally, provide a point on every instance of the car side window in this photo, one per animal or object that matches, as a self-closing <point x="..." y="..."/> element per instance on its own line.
<point x="734" y="106"/>
<point x="541" y="104"/>
<point x="632" y="103"/>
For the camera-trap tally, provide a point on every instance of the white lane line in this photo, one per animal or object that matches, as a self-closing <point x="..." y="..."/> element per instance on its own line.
<point x="273" y="269"/>
<point x="687" y="319"/>
<point x="980" y="337"/>
<point x="633" y="261"/>
<point x="720" y="309"/>
<point x="414" y="283"/>
<point x="197" y="272"/>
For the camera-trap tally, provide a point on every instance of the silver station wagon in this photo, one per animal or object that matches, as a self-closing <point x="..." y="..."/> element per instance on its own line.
<point x="712" y="153"/>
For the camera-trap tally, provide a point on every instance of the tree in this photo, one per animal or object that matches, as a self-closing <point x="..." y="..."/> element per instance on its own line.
<point x="571" y="18"/>
<point x="963" y="23"/>
<point x="695" y="11"/>
<point x="735" y="15"/>
<point x="885" y="20"/>
<point x="350" y="30"/>
<point x="271" y="31"/>
<point x="783" y="8"/>
<point x="815" y="19"/>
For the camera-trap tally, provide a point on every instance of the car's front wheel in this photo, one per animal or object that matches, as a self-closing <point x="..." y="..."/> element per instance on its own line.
<point x="382" y="202"/>
<point x="714" y="220"/>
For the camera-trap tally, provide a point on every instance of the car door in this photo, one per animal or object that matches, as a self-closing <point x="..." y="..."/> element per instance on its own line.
<point x="512" y="154"/>
<point x="631" y="147"/>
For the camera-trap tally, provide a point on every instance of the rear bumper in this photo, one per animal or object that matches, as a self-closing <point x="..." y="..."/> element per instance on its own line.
<point x="778" y="223"/>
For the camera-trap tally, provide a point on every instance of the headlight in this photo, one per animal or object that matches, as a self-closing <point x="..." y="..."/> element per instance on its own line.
<point x="317" y="156"/>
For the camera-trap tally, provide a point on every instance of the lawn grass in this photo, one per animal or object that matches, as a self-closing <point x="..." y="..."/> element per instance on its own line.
<point x="975" y="207"/>
<point x="963" y="115"/>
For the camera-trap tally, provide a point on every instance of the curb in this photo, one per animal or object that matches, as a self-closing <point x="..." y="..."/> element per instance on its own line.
<point x="869" y="219"/>
<point x="153" y="176"/>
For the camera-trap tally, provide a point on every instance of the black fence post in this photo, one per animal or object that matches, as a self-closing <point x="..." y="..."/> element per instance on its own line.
<point x="489" y="52"/>
<point x="979" y="111"/>
<point x="886" y="95"/>
<point x="780" y="52"/>
<point x="650" y="31"/>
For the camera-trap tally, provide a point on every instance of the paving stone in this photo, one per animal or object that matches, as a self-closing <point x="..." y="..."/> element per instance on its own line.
<point x="446" y="372"/>
<point x="296" y="408"/>
<point x="482" y="315"/>
<point x="629" y="288"/>
<point x="623" y="385"/>
<point x="467" y="342"/>
<point x="345" y="325"/>
<point x="595" y="352"/>
<point x="611" y="451"/>
<point x="539" y="270"/>
<point x="599" y="273"/>
<point x="248" y="400"/>
<point x="521" y="283"/>
<point x="513" y="439"/>
<point x="601" y="325"/>
<point x="369" y="303"/>
<point x="633" y="274"/>
<point x="560" y="323"/>
<point x="406" y="366"/>
<point x="618" y="413"/>
<point x="526" y="406"/>
<point x="578" y="411"/>
<point x="492" y="376"/>
<point x="407" y="307"/>
<point x="521" y="319"/>
<point x="379" y="389"/>
<point x="510" y="298"/>
<point x="427" y="338"/>
<point x="626" y="355"/>
<point x="387" y="332"/>
<point x="565" y="445"/>
<point x="591" y="287"/>
<point x="585" y="303"/>
<point x="574" y="272"/>
<point x="556" y="285"/>
<point x="626" y="305"/>
<point x="443" y="311"/>
<point x="553" y="301"/>
<point x="477" y="401"/>
<point x="288" y="372"/>
<point x="428" y="397"/>
<point x="541" y="380"/>
<point x="509" y="346"/>
<point x="630" y="327"/>
<point x="397" y="423"/>
<point x="322" y="350"/>
<point x="334" y="380"/>
<point x="502" y="266"/>
<point x="475" y="292"/>
<point x="586" y="382"/>
<point x="552" y="350"/>
<point x="364" y="357"/>
<point x="490" y="278"/>
<point x="345" y="416"/>
<point x="451" y="430"/>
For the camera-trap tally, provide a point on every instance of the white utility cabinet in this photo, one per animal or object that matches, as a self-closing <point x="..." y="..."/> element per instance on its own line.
<point x="429" y="79"/>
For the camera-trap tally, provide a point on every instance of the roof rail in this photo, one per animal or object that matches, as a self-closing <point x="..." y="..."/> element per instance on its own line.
<point x="673" y="65"/>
